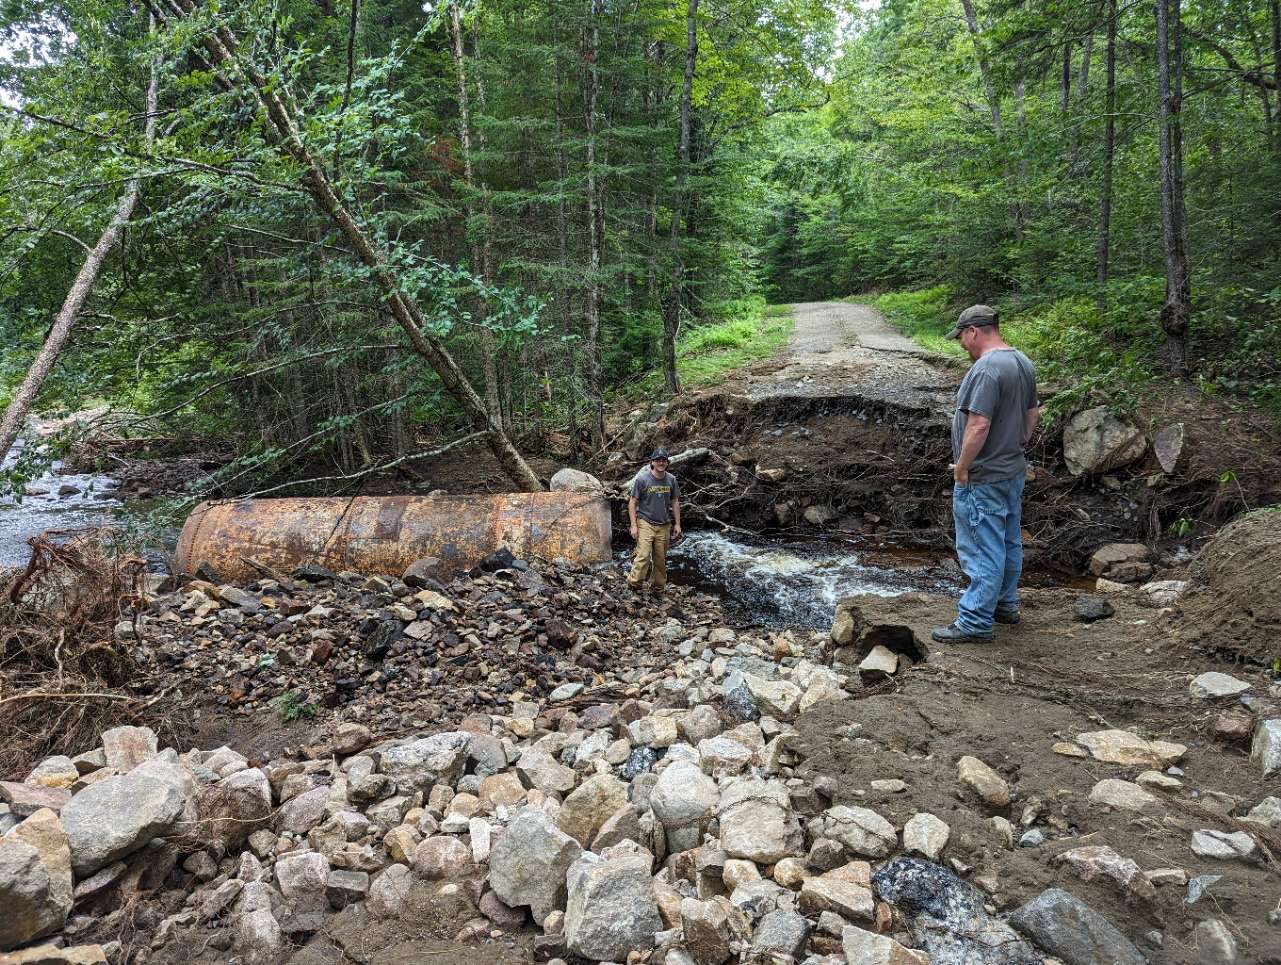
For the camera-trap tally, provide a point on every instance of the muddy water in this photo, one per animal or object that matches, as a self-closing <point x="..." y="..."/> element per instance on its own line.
<point x="798" y="584"/>
<point x="51" y="502"/>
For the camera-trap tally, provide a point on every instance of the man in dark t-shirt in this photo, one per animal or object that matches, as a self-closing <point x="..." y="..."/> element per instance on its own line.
<point x="654" y="508"/>
<point x="996" y="411"/>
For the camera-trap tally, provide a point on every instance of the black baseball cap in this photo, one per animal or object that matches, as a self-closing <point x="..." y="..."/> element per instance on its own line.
<point x="659" y="453"/>
<point x="973" y="317"/>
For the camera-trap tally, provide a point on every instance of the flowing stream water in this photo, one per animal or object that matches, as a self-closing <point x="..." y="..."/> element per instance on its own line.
<point x="51" y="502"/>
<point x="798" y="584"/>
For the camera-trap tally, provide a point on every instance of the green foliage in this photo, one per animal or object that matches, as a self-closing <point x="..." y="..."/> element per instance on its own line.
<point x="292" y="706"/>
<point x="906" y="182"/>
<point x="746" y="330"/>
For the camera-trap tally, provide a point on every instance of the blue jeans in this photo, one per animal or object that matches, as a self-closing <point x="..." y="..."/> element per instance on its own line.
<point x="989" y="544"/>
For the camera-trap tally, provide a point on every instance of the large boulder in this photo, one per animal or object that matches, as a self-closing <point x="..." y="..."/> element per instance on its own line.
<point x="529" y="863"/>
<point x="119" y="815"/>
<point x="611" y="908"/>
<point x="590" y="806"/>
<point x="569" y="480"/>
<point x="418" y="765"/>
<point x="1071" y="930"/>
<point x="31" y="908"/>
<point x="1096" y="441"/>
<point x="683" y="799"/>
<point x="946" y="916"/>
<point x="861" y="830"/>
<point x="757" y="823"/>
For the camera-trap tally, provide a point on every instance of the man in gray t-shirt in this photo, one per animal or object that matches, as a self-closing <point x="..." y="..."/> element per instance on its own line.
<point x="996" y="412"/>
<point x="654" y="510"/>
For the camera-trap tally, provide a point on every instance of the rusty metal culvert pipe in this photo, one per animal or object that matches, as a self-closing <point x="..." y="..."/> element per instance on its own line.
<point x="384" y="534"/>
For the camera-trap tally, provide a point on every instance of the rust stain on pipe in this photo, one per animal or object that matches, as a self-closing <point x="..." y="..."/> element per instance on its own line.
<point x="384" y="534"/>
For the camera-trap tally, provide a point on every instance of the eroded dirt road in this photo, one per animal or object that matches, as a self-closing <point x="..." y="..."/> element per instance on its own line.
<point x="838" y="349"/>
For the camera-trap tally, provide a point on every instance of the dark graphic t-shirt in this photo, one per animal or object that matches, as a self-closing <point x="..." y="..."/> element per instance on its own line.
<point x="654" y="496"/>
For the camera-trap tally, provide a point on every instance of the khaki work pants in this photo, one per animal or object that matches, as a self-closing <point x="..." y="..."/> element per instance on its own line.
<point x="651" y="554"/>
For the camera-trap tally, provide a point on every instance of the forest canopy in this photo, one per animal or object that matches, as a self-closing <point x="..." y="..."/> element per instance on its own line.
<point x="361" y="230"/>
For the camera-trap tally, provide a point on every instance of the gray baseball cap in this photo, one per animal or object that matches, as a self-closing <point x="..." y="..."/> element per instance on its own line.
<point x="659" y="453"/>
<point x="974" y="316"/>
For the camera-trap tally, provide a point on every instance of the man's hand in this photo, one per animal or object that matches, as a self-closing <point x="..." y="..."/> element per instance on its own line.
<point x="635" y="532"/>
<point x="961" y="476"/>
<point x="676" y="531"/>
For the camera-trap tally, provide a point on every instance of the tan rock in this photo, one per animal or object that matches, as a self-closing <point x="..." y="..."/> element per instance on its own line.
<point x="846" y="890"/>
<point x="1123" y="796"/>
<point x="1122" y="747"/>
<point x="984" y="781"/>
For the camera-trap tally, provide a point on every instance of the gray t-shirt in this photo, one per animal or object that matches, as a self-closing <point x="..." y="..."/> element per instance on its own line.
<point x="654" y="496"/>
<point x="1002" y="387"/>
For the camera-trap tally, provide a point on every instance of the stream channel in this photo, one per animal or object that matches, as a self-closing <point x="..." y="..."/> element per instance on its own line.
<point x="777" y="583"/>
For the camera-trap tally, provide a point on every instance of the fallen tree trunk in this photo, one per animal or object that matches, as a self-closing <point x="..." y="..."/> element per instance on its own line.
<point x="283" y="133"/>
<point x="65" y="321"/>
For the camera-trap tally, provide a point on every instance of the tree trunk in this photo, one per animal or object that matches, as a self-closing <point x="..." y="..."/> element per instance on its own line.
<point x="1104" y="246"/>
<point x="1065" y="79"/>
<point x="595" y="235"/>
<point x="676" y="297"/>
<point x="1083" y="71"/>
<point x="65" y="321"/>
<point x="283" y="132"/>
<point x="1274" y="8"/>
<point x="976" y="33"/>
<point x="479" y="261"/>
<point x="994" y="105"/>
<point x="1177" y="310"/>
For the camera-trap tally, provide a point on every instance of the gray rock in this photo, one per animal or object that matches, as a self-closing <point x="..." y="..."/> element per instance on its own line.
<point x="1265" y="750"/>
<point x="540" y="770"/>
<point x="346" y="887"/>
<point x="861" y="830"/>
<point x="303" y="879"/>
<point x="1096" y="441"/>
<point x="756" y="821"/>
<point x="1199" y="886"/>
<point x="529" y="863"/>
<point x="127" y="747"/>
<point x="947" y="917"/>
<point x="1215" y="941"/>
<point x="1211" y="843"/>
<point x="1215" y="684"/>
<point x="389" y="892"/>
<point x="1071" y="930"/>
<point x="706" y="929"/>
<point x="259" y="940"/>
<point x="25" y="800"/>
<point x="639" y="761"/>
<point x="684" y="796"/>
<point x="926" y="834"/>
<point x="611" y="908"/>
<point x="575" y="479"/>
<point x="119" y="815"/>
<point x="1087" y="609"/>
<point x="1267" y="812"/>
<point x="418" y="765"/>
<point x="304" y="812"/>
<point x="27" y="895"/>
<point x="780" y="933"/>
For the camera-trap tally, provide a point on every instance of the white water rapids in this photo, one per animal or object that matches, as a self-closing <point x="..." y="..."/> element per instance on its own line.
<point x="796" y="583"/>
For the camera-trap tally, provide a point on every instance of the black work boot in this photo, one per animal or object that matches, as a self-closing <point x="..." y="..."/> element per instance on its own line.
<point x="955" y="634"/>
<point x="1007" y="616"/>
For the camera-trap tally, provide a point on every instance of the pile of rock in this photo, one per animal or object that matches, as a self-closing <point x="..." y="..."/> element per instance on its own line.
<point x="628" y="831"/>
<point x="404" y="654"/>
